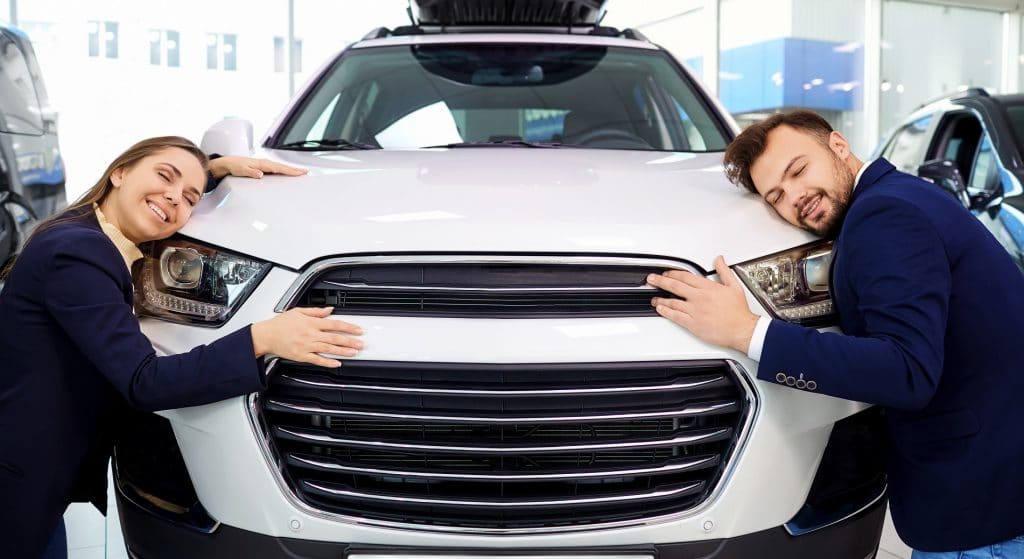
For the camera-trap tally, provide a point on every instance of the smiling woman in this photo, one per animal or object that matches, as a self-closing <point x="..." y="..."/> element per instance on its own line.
<point x="73" y="348"/>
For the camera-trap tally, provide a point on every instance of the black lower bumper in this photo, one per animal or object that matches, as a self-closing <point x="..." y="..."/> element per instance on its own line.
<point x="149" y="537"/>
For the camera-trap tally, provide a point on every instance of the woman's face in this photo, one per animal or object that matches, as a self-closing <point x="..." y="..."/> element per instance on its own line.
<point x="154" y="198"/>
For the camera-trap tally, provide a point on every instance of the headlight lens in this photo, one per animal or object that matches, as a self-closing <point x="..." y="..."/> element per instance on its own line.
<point x="184" y="281"/>
<point x="793" y="285"/>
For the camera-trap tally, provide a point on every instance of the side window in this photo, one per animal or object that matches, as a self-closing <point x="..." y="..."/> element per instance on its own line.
<point x="906" y="148"/>
<point x="18" y="98"/>
<point x="984" y="175"/>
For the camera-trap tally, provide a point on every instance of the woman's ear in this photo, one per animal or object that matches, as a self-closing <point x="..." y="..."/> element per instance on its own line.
<point x="116" y="177"/>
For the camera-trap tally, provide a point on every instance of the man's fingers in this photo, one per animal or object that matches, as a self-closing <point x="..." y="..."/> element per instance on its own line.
<point x="725" y="273"/>
<point x="689" y="278"/>
<point x="670" y="284"/>
<point x="677" y="316"/>
<point x="672" y="303"/>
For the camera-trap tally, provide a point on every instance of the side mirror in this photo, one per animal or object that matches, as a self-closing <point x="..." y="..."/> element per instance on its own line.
<point x="231" y="136"/>
<point x="945" y="174"/>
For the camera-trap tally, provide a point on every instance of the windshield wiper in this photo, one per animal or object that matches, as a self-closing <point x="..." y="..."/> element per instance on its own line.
<point x="317" y="145"/>
<point x="503" y="143"/>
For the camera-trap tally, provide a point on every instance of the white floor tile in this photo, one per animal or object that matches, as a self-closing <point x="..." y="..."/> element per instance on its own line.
<point x="86" y="553"/>
<point x="85" y="526"/>
<point x="115" y="540"/>
<point x="891" y="542"/>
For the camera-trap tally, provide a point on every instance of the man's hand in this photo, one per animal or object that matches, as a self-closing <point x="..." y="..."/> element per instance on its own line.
<point x="239" y="166"/>
<point x="301" y="334"/>
<point x="714" y="312"/>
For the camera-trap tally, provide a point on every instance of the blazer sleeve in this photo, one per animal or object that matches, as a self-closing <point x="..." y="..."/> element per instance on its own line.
<point x="896" y="266"/>
<point x="84" y="294"/>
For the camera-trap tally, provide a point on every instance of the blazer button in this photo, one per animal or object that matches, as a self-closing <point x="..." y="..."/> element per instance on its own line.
<point x="781" y="378"/>
<point x="811" y="385"/>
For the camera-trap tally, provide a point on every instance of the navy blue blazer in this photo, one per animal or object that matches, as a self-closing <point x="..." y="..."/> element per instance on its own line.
<point x="72" y="357"/>
<point x="933" y="312"/>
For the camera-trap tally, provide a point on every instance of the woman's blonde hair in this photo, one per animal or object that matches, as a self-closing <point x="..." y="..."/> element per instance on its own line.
<point x="82" y="207"/>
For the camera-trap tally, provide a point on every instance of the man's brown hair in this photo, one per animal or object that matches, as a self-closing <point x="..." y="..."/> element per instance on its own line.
<point x="750" y="144"/>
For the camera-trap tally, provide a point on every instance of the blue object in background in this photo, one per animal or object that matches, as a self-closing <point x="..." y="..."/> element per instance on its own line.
<point x="789" y="72"/>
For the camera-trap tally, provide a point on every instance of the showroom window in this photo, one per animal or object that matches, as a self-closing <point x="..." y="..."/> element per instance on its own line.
<point x="961" y="49"/>
<point x="103" y="39"/>
<point x="221" y="51"/>
<point x="280" y="54"/>
<point x="164" y="48"/>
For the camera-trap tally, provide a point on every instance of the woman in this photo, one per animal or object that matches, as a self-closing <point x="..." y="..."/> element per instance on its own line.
<point x="72" y="353"/>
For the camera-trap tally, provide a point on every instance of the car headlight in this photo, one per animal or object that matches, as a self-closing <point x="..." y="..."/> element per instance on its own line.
<point x="793" y="285"/>
<point x="183" y="281"/>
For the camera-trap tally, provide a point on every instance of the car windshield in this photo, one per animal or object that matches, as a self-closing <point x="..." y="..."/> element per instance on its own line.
<point x="508" y="95"/>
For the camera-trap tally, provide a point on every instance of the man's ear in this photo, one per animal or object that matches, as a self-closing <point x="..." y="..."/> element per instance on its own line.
<point x="839" y="144"/>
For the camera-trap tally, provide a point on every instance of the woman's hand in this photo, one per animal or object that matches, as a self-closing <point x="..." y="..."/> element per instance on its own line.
<point x="239" y="166"/>
<point x="301" y="333"/>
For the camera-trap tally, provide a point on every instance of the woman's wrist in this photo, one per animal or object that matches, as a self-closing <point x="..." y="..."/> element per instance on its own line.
<point x="260" y="337"/>
<point x="218" y="168"/>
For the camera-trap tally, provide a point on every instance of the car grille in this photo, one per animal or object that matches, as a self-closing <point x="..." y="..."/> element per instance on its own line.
<point x="503" y="447"/>
<point x="486" y="289"/>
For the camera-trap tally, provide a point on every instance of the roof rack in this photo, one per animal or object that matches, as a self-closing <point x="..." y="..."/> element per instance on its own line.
<point x="507" y="12"/>
<point x="598" y="30"/>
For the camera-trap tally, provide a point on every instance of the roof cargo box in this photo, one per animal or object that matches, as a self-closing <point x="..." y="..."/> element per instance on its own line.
<point x="510" y="12"/>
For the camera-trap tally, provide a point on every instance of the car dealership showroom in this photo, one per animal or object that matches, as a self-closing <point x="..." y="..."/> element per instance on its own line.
<point x="533" y="279"/>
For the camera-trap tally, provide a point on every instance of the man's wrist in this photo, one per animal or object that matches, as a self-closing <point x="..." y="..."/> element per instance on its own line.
<point x="745" y="334"/>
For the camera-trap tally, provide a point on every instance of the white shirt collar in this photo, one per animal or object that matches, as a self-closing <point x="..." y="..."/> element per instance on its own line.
<point x="860" y="173"/>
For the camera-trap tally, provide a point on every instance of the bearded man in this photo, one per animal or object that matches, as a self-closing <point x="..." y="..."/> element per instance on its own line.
<point x="932" y="311"/>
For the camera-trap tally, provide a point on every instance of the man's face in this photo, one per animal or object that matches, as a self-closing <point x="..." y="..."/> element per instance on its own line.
<point x="803" y="180"/>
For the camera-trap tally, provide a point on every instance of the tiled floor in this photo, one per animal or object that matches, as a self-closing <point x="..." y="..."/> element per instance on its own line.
<point x="91" y="536"/>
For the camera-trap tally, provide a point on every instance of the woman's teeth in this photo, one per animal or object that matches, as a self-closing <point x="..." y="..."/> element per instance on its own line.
<point x="160" y="213"/>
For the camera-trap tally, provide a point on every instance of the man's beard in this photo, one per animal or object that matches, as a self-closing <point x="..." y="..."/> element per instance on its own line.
<point x="839" y="201"/>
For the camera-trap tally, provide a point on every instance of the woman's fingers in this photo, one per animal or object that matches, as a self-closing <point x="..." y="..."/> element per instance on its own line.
<point x="314" y="359"/>
<point x="341" y="341"/>
<point x="268" y="166"/>
<point x="330" y="325"/>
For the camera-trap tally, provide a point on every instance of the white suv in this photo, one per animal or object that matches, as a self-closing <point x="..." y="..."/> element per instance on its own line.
<point x="486" y="201"/>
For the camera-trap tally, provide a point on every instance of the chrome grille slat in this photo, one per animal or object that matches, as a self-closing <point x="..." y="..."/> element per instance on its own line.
<point x="511" y="290"/>
<point x="474" y="503"/>
<point x="677" y="466"/>
<point x="313" y="436"/>
<point x="419" y="444"/>
<point x="693" y="410"/>
<point x="710" y="380"/>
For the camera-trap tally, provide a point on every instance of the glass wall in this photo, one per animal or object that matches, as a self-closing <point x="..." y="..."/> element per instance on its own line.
<point x="119" y="70"/>
<point x="930" y="50"/>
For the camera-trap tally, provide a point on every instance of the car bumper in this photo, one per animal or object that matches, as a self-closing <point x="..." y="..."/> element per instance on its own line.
<point x="148" y="537"/>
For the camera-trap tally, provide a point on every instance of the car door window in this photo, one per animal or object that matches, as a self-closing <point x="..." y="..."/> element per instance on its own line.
<point x="984" y="175"/>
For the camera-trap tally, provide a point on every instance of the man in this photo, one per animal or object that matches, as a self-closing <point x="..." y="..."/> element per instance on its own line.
<point x="932" y="310"/>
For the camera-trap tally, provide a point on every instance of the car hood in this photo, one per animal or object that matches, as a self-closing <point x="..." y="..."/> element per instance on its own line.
<point x="492" y="200"/>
